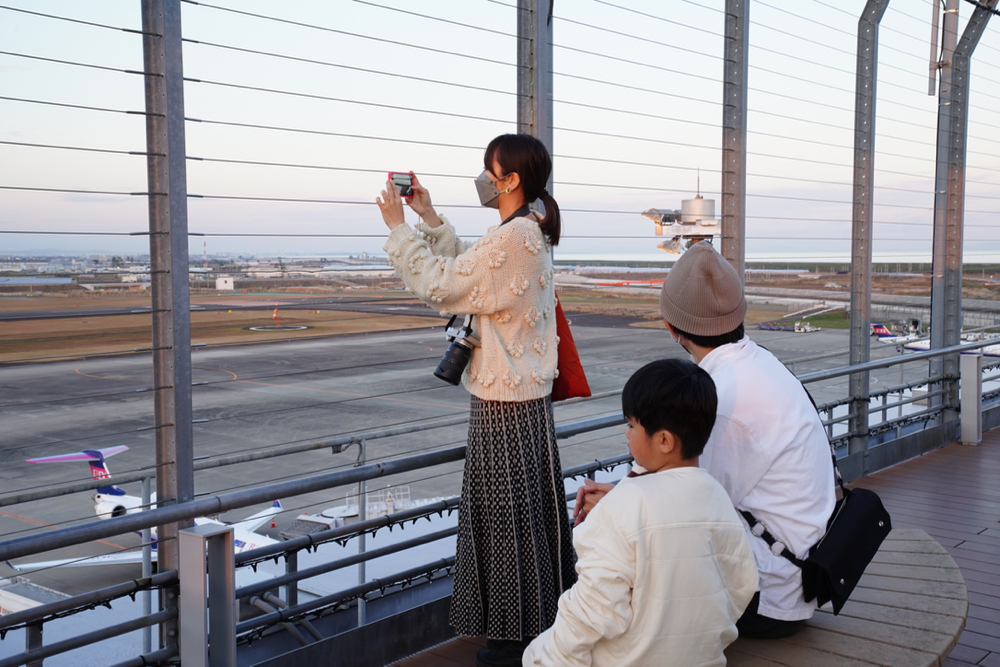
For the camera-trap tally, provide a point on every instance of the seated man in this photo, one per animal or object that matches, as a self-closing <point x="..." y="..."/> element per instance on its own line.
<point x="768" y="448"/>
<point x="664" y="564"/>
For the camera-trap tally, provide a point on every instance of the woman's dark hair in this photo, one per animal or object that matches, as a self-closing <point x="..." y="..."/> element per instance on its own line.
<point x="526" y="156"/>
<point x="734" y="336"/>
<point x="676" y="395"/>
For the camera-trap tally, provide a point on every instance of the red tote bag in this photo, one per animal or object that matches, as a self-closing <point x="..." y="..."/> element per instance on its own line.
<point x="571" y="382"/>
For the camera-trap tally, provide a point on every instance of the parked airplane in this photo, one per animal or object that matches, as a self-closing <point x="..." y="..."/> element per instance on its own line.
<point x="886" y="336"/>
<point x="111" y="501"/>
<point x="925" y="344"/>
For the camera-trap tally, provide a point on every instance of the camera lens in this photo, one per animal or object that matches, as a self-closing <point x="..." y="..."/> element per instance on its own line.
<point x="454" y="361"/>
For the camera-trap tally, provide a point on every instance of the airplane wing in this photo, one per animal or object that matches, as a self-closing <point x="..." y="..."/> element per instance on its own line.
<point x="80" y="456"/>
<point x="254" y="522"/>
<point x="118" y="558"/>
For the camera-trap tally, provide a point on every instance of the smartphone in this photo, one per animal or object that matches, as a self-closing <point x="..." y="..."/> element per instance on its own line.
<point x="404" y="183"/>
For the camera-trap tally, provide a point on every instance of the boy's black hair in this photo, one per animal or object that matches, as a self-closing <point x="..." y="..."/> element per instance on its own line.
<point x="676" y="395"/>
<point x="713" y="342"/>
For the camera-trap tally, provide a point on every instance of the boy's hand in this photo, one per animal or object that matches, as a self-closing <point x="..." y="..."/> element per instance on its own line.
<point x="587" y="497"/>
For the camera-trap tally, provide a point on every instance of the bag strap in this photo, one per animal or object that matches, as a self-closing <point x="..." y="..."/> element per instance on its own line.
<point x="833" y="453"/>
<point x="760" y="530"/>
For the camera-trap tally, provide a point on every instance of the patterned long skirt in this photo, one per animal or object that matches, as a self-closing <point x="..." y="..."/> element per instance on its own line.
<point x="515" y="548"/>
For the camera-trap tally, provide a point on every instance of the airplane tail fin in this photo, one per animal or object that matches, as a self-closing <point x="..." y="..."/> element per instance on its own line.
<point x="98" y="468"/>
<point x="879" y="330"/>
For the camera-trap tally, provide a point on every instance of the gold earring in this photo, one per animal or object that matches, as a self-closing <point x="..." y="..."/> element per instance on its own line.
<point x="507" y="191"/>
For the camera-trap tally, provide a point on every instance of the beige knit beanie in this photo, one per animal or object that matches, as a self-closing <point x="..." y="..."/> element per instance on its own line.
<point x="702" y="294"/>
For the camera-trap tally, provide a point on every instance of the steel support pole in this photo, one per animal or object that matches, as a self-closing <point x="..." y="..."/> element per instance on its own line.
<point x="147" y="570"/>
<point x="33" y="642"/>
<point x="734" y="133"/>
<point x="861" y="237"/>
<point x="949" y="196"/>
<point x="168" y="249"/>
<point x="534" y="70"/>
<point x="292" y="589"/>
<point x="362" y="515"/>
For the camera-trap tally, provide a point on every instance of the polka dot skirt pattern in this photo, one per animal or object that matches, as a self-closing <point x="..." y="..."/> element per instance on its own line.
<point x="515" y="547"/>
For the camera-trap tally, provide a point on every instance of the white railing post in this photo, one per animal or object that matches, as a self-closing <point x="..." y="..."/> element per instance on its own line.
<point x="207" y="611"/>
<point x="971" y="368"/>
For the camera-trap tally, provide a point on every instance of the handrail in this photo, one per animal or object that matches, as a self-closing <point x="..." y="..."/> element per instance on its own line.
<point x="344" y="532"/>
<point x="64" y="537"/>
<point x="893" y="361"/>
<point x="307" y="573"/>
<point x="203" y="506"/>
<point x="455" y="420"/>
<point x="342" y="440"/>
<point x="85" y="599"/>
<point x="79" y="641"/>
<point x="216" y="504"/>
<point x="290" y="613"/>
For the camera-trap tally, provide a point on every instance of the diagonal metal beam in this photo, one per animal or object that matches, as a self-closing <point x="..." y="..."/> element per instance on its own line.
<point x="949" y="200"/>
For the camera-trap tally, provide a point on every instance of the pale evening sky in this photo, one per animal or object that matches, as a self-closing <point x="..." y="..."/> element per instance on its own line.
<point x="646" y="71"/>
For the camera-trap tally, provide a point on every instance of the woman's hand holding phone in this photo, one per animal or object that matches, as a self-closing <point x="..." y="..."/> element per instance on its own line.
<point x="391" y="206"/>
<point x="421" y="203"/>
<point x="419" y="199"/>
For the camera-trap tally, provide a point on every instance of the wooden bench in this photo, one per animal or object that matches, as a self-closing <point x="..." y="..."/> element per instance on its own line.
<point x="907" y="611"/>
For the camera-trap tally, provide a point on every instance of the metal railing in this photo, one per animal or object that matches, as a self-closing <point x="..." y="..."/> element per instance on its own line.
<point x="31" y="620"/>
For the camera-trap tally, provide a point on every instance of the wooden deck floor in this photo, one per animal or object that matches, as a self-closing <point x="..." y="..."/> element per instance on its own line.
<point x="954" y="495"/>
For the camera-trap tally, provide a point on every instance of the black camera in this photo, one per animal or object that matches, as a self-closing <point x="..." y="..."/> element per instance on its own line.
<point x="457" y="356"/>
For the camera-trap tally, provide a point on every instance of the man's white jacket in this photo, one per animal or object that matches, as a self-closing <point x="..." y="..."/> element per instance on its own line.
<point x="665" y="571"/>
<point x="771" y="454"/>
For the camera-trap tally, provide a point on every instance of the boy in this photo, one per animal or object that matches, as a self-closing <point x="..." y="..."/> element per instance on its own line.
<point x="665" y="568"/>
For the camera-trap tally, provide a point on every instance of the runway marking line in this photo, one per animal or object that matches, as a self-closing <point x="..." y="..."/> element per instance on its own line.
<point x="347" y="393"/>
<point x="212" y="368"/>
<point x="45" y="525"/>
<point x="98" y="377"/>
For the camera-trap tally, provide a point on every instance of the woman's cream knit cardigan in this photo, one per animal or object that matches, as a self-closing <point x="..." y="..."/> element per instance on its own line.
<point x="505" y="278"/>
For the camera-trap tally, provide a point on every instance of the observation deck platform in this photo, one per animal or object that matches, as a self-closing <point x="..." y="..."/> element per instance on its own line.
<point x="951" y="495"/>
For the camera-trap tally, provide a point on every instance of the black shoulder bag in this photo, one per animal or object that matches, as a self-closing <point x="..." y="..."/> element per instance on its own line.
<point x="854" y="533"/>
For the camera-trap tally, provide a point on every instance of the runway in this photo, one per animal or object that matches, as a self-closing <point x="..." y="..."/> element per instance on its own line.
<point x="390" y="305"/>
<point x="253" y="397"/>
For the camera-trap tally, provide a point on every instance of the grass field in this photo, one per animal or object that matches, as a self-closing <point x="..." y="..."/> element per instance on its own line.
<point x="69" y="337"/>
<point x="40" y="339"/>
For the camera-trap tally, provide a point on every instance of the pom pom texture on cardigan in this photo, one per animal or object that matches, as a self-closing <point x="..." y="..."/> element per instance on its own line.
<point x="505" y="279"/>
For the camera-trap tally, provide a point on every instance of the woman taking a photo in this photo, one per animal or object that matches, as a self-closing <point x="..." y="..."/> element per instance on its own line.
<point x="514" y="555"/>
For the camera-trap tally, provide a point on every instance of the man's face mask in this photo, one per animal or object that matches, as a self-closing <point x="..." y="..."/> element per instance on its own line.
<point x="487" y="189"/>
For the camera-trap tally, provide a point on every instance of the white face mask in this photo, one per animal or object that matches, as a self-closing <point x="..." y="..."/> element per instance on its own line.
<point x="487" y="189"/>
